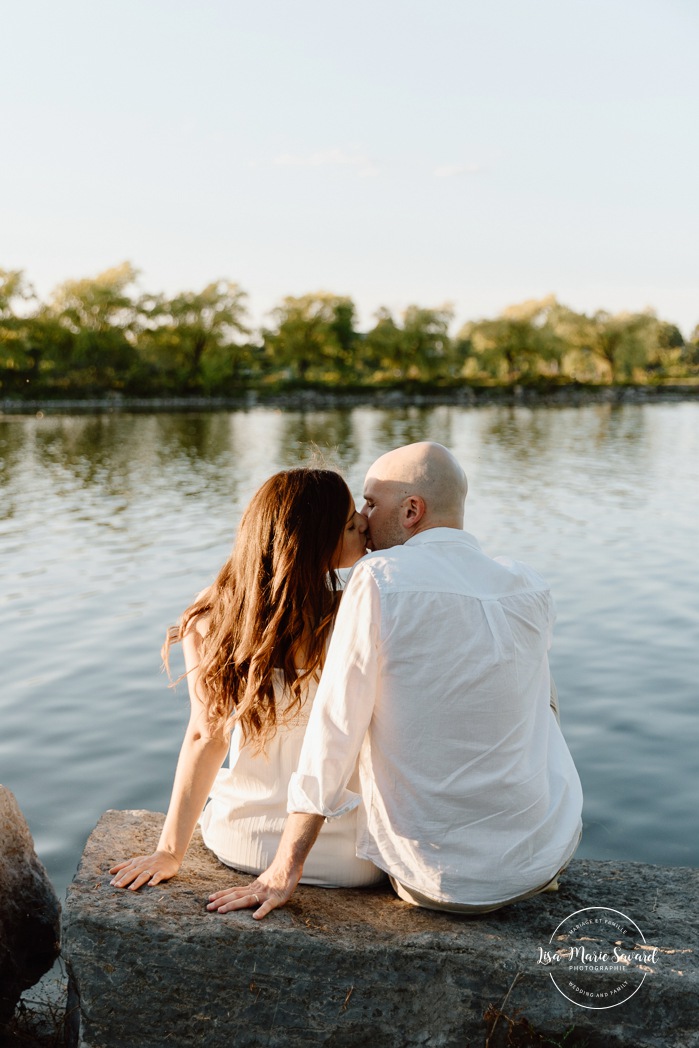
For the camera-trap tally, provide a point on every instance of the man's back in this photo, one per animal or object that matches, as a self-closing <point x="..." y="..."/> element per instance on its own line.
<point x="470" y="794"/>
<point x="481" y="765"/>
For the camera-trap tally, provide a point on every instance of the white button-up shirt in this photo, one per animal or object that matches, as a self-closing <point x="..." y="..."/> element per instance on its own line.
<point x="437" y="675"/>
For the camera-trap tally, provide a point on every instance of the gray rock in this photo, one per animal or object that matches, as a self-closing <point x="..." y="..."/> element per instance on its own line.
<point x="344" y="968"/>
<point x="29" y="909"/>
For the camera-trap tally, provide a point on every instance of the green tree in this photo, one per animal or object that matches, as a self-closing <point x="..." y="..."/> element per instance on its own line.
<point x="692" y="347"/>
<point x="30" y="339"/>
<point x="16" y="363"/>
<point x="346" y="338"/>
<point x="313" y="337"/>
<point x="668" y="352"/>
<point x="97" y="303"/>
<point x="14" y="290"/>
<point x="621" y="342"/>
<point x="191" y="342"/>
<point x="426" y="343"/>
<point x="521" y="344"/>
<point x="99" y="315"/>
<point x="420" y="349"/>
<point x="383" y="352"/>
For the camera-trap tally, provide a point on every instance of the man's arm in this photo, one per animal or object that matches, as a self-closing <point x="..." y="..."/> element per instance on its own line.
<point x="274" y="887"/>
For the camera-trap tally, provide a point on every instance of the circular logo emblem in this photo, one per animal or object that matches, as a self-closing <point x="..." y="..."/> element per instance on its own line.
<point x="598" y="957"/>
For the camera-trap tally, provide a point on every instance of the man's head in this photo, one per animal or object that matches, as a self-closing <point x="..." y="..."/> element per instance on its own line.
<point x="412" y="489"/>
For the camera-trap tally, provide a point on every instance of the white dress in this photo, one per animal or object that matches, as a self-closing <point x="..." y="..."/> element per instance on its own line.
<point x="244" y="817"/>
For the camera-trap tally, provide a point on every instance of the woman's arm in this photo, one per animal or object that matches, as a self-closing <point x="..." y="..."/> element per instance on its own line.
<point x="201" y="756"/>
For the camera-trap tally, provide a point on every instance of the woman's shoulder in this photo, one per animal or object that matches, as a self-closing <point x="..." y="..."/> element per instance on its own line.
<point x="200" y="623"/>
<point x="194" y="634"/>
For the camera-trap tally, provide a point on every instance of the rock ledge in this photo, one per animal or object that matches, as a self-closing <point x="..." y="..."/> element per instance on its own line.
<point x="29" y="909"/>
<point x="344" y="968"/>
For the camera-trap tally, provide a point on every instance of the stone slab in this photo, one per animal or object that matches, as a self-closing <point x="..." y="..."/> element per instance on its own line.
<point x="29" y="909"/>
<point x="342" y="967"/>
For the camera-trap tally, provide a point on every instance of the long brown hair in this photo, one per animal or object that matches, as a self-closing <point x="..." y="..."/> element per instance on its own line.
<point x="273" y="602"/>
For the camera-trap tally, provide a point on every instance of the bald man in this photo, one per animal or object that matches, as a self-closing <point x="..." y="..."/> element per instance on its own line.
<point x="437" y="679"/>
<point x="411" y="489"/>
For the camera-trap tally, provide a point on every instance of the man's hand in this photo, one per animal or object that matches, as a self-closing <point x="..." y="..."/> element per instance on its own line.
<point x="268" y="892"/>
<point x="275" y="886"/>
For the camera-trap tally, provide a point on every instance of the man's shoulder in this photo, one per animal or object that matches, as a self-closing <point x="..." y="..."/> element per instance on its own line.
<point x="523" y="571"/>
<point x="411" y="566"/>
<point x="384" y="567"/>
<point x="456" y="567"/>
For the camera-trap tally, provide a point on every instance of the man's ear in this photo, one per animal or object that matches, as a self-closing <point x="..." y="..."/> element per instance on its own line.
<point x="413" y="510"/>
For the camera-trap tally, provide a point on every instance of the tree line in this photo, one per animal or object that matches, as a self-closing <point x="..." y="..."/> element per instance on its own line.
<point x="101" y="335"/>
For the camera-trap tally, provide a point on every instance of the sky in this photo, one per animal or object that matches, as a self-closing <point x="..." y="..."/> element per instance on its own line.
<point x="396" y="151"/>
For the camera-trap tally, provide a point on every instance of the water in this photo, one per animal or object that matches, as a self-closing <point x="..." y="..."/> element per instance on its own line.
<point x="110" y="524"/>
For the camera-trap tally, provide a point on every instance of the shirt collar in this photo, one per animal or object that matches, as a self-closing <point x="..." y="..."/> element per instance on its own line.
<point x="443" y="535"/>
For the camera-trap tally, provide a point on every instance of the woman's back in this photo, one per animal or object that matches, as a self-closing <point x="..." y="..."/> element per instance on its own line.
<point x="243" y="821"/>
<point x="268" y="612"/>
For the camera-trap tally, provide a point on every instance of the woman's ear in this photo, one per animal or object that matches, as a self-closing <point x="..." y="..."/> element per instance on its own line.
<point x="413" y="511"/>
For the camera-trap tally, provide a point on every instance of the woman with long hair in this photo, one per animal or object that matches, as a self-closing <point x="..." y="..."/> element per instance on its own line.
<point x="254" y="645"/>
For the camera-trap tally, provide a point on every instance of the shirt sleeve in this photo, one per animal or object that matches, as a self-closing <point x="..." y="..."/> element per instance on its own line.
<point x="343" y="705"/>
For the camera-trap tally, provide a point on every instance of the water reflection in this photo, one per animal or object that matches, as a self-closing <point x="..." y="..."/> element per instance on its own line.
<point x="12" y="445"/>
<point x="409" y="425"/>
<point x="97" y="447"/>
<point x="564" y="468"/>
<point x="194" y="438"/>
<point x="329" y="433"/>
<point x="522" y="432"/>
<point x="530" y="433"/>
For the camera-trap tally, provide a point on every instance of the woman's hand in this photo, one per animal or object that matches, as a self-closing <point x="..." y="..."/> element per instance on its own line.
<point x="145" y="869"/>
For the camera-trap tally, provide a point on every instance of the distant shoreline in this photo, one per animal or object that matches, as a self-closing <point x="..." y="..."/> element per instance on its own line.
<point x="325" y="399"/>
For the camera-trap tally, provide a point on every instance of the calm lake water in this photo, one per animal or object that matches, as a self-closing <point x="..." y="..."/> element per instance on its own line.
<point x="110" y="524"/>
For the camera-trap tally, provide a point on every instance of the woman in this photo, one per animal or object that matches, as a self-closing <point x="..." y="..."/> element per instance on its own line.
<point x="254" y="645"/>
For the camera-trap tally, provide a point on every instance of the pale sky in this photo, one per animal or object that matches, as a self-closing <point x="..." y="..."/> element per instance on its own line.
<point x="480" y="152"/>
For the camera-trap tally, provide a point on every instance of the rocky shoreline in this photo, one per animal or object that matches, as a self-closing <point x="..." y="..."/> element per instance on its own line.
<point x="30" y="914"/>
<point x="328" y="399"/>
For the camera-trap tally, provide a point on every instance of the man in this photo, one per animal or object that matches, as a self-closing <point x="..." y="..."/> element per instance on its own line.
<point x="437" y="677"/>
